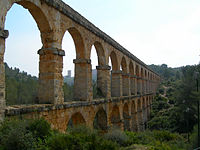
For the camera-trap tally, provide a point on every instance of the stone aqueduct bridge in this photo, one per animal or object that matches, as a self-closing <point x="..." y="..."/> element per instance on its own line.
<point x="127" y="93"/>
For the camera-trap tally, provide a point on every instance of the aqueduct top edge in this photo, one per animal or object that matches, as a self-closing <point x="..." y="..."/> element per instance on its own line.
<point x="78" y="18"/>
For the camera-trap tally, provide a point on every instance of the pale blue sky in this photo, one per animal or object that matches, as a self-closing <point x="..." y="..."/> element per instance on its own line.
<point x="156" y="31"/>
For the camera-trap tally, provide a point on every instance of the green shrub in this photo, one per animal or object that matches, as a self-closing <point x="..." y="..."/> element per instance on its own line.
<point x="160" y="146"/>
<point x="132" y="137"/>
<point x="116" y="135"/>
<point x="194" y="138"/>
<point x="15" y="136"/>
<point x="79" y="138"/>
<point x="40" y="128"/>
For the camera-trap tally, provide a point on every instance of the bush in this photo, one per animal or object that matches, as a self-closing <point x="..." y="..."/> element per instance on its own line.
<point x="40" y="128"/>
<point x="116" y="135"/>
<point x="79" y="138"/>
<point x="15" y="136"/>
<point x="194" y="138"/>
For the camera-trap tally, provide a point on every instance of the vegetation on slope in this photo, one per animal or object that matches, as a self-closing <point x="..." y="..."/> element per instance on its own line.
<point x="37" y="134"/>
<point x="175" y="106"/>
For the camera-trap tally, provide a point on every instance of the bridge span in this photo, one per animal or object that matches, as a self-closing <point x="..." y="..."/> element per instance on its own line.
<point x="127" y="87"/>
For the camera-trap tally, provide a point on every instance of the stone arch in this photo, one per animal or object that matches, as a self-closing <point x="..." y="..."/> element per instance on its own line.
<point x="142" y="80"/>
<point x="137" y="71"/>
<point x="124" y="65"/>
<point x="142" y="72"/>
<point x="126" y="117"/>
<point x="132" y="78"/>
<point x="37" y="13"/>
<point x="115" y="117"/>
<point x="100" y="120"/>
<point x="140" y="115"/>
<point x="40" y="18"/>
<point x="131" y="68"/>
<point x="78" y="42"/>
<point x="145" y="73"/>
<point x="114" y="61"/>
<point x="76" y="119"/>
<point x="125" y="78"/>
<point x="100" y="53"/>
<point x="134" y="116"/>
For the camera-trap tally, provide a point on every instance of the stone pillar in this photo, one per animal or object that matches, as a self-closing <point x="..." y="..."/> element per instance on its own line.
<point x="135" y="123"/>
<point x="83" y="80"/>
<point x="147" y="86"/>
<point x="116" y="83"/>
<point x="132" y="84"/>
<point x="103" y="80"/>
<point x="140" y="83"/>
<point x="138" y="86"/>
<point x="3" y="35"/>
<point x="140" y="117"/>
<point x="126" y="84"/>
<point x="144" y="114"/>
<point x="143" y="86"/>
<point x="140" y="121"/>
<point x="50" y="76"/>
<point x="135" y="84"/>
<point x="127" y="122"/>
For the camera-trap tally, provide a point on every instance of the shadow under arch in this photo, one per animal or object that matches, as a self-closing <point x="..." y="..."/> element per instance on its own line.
<point x="134" y="116"/>
<point x="100" y="120"/>
<point x="125" y="78"/>
<point x="115" y="117"/>
<point x="126" y="117"/>
<point x="100" y="53"/>
<point x="114" y="61"/>
<point x="132" y="78"/>
<point x="75" y="120"/>
<point x="124" y="65"/>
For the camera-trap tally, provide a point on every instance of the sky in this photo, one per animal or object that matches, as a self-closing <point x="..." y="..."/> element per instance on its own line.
<point x="155" y="31"/>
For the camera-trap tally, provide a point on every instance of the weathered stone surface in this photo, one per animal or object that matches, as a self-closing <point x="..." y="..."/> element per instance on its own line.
<point x="119" y="89"/>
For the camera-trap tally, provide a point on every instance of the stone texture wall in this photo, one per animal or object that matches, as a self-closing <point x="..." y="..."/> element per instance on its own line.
<point x="117" y="111"/>
<point x="54" y="18"/>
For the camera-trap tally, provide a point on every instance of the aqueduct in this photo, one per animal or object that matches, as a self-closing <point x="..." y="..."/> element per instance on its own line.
<point x="127" y="92"/>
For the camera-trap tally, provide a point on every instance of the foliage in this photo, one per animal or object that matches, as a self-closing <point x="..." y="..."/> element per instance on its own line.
<point x="80" y="138"/>
<point x="181" y="100"/>
<point x="68" y="92"/>
<point x="40" y="128"/>
<point x="157" y="140"/>
<point x="21" y="88"/>
<point x="194" y="138"/>
<point x="15" y="136"/>
<point x="117" y="136"/>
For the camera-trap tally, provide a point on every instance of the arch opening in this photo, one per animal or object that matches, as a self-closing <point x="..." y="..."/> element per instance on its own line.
<point x="68" y="67"/>
<point x="21" y="86"/>
<point x="126" y="117"/>
<point x="98" y="63"/>
<point x="115" y="117"/>
<point x="75" y="120"/>
<point x="125" y="78"/>
<point x="115" y="76"/>
<point x="134" y="116"/>
<point x="100" y="120"/>
<point x="132" y="79"/>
